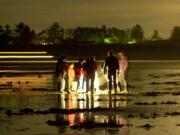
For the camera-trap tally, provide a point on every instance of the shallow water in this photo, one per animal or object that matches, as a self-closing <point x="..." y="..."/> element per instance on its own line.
<point x="143" y="77"/>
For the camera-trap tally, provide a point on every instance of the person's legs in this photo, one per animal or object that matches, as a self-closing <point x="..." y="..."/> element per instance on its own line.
<point x="120" y="81"/>
<point x="78" y="83"/>
<point x="70" y="81"/>
<point x="61" y="82"/>
<point x="120" y="87"/>
<point x="87" y="83"/>
<point x="83" y="82"/>
<point x="110" y="81"/>
<point x="66" y="82"/>
<point x="92" y="81"/>
<point x="123" y="82"/>
<point x="114" y="82"/>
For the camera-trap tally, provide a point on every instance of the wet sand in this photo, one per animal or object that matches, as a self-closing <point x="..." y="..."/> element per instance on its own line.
<point x="152" y="107"/>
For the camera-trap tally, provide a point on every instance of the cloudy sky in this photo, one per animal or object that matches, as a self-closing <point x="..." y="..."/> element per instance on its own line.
<point x="39" y="14"/>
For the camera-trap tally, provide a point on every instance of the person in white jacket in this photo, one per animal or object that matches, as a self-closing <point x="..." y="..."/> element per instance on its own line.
<point x="123" y="65"/>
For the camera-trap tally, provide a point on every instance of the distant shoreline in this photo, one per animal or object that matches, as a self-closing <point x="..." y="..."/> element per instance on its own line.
<point x="153" y="51"/>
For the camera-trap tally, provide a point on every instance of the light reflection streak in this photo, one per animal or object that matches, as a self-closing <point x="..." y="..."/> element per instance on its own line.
<point x="81" y="117"/>
<point x="81" y="102"/>
<point x="25" y="57"/>
<point x="71" y="101"/>
<point x="29" y="61"/>
<point x="23" y="52"/>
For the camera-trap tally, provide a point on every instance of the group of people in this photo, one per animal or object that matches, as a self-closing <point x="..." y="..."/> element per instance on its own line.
<point x="84" y="73"/>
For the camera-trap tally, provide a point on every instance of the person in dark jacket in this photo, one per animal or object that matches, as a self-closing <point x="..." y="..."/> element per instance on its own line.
<point x="90" y="68"/>
<point x="111" y="67"/>
<point x="61" y="72"/>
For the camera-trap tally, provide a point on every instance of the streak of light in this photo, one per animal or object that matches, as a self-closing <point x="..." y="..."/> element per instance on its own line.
<point x="24" y="57"/>
<point x="23" y="52"/>
<point x="30" y="61"/>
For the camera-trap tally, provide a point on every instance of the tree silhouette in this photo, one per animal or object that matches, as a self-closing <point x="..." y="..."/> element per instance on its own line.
<point x="55" y="33"/>
<point x="88" y="34"/>
<point x="175" y="35"/>
<point x="99" y="35"/>
<point x="6" y="35"/>
<point x="24" y="35"/>
<point x="68" y="33"/>
<point x="117" y="34"/>
<point x="137" y="33"/>
<point x="155" y="36"/>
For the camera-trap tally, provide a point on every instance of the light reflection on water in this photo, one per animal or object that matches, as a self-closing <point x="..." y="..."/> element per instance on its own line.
<point x="84" y="101"/>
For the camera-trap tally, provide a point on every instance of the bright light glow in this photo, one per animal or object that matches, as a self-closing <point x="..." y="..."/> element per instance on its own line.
<point x="81" y="117"/>
<point x="81" y="88"/>
<point x="5" y="71"/>
<point x="25" y="57"/>
<point x="96" y="83"/>
<point x="132" y="41"/>
<point x="23" y="52"/>
<point x="81" y="103"/>
<point x="44" y="43"/>
<point x="107" y="40"/>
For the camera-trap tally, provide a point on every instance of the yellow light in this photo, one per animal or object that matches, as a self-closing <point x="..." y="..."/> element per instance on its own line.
<point x="24" y="57"/>
<point x="29" y="61"/>
<point x="23" y="52"/>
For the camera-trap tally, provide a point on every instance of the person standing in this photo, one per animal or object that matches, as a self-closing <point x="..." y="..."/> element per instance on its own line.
<point x="85" y="68"/>
<point x="111" y="67"/>
<point x="79" y="74"/>
<point x="71" y="76"/>
<point x="60" y="73"/>
<point x="123" y="65"/>
<point x="90" y="68"/>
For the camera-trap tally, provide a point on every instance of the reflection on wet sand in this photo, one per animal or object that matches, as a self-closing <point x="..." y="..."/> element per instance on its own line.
<point x="90" y="120"/>
<point x="26" y="82"/>
<point x="90" y="101"/>
<point x="154" y="106"/>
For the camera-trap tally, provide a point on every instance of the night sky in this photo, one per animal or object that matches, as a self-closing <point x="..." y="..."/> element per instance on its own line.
<point x="39" y="14"/>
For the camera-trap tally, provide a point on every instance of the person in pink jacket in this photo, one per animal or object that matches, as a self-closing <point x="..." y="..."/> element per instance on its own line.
<point x="123" y="65"/>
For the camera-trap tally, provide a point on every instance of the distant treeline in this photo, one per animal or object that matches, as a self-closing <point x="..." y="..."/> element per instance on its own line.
<point x="22" y="34"/>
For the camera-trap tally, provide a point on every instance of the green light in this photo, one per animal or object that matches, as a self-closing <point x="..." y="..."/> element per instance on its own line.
<point x="107" y="40"/>
<point x="132" y="42"/>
